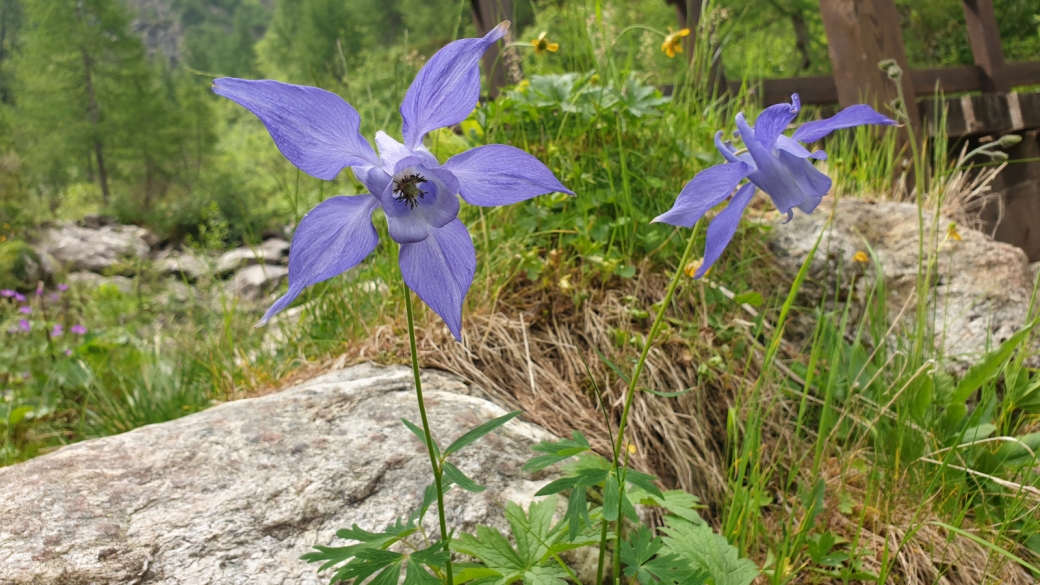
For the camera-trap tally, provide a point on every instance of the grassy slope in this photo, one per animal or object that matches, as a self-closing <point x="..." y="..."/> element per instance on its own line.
<point x="812" y="477"/>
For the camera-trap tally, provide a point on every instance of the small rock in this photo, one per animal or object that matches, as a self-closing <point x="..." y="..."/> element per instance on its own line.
<point x="236" y="493"/>
<point x="94" y="280"/>
<point x="75" y="247"/>
<point x="184" y="264"/>
<point x="252" y="283"/>
<point x="274" y="251"/>
<point x="1034" y="269"/>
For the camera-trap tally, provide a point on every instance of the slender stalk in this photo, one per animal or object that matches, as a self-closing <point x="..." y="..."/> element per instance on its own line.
<point x="426" y="430"/>
<point x="631" y="393"/>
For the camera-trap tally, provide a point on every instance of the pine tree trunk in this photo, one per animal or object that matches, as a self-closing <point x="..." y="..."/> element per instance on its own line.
<point x="94" y="113"/>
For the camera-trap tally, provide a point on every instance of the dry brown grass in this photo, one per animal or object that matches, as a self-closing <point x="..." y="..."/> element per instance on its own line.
<point x="531" y="353"/>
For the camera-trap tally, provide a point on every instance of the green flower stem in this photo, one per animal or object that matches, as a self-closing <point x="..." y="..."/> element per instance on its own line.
<point x="426" y="430"/>
<point x="630" y="395"/>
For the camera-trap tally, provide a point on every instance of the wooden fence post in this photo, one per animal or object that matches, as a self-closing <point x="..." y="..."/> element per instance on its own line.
<point x="500" y="71"/>
<point x="860" y="34"/>
<point x="985" y="45"/>
<point x="688" y="13"/>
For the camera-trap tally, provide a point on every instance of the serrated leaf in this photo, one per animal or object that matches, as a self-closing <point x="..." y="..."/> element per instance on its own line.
<point x="638" y="549"/>
<point x="703" y="549"/>
<point x="492" y="548"/>
<point x="671" y="569"/>
<point x="478" y="432"/>
<point x="370" y="561"/>
<point x="533" y="531"/>
<point x="577" y="512"/>
<point x="550" y="575"/>
<point x="557" y="451"/>
<point x="416" y="574"/>
<point x="476" y="574"/>
<point x="422" y="437"/>
<point x="461" y="479"/>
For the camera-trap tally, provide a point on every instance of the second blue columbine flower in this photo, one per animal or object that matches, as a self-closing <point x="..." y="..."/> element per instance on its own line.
<point x="770" y="161"/>
<point x="319" y="133"/>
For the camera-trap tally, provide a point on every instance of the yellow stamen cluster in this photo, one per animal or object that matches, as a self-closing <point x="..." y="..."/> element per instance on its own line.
<point x="673" y="42"/>
<point x="692" y="268"/>
<point x="541" y="45"/>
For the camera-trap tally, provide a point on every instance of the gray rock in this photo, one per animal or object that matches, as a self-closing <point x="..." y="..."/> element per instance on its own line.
<point x="1034" y="269"/>
<point x="94" y="280"/>
<point x="184" y="264"/>
<point x="235" y="494"/>
<point x="253" y="283"/>
<point x="74" y="247"/>
<point x="982" y="287"/>
<point x="274" y="251"/>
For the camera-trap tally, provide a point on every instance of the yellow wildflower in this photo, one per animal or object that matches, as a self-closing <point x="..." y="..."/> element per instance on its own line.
<point x="952" y="233"/>
<point x="861" y="257"/>
<point x="692" y="268"/>
<point x="541" y="45"/>
<point x="673" y="42"/>
<point x="631" y="449"/>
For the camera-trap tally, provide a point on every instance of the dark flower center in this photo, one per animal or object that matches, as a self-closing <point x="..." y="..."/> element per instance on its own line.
<point x="407" y="189"/>
<point x="542" y="44"/>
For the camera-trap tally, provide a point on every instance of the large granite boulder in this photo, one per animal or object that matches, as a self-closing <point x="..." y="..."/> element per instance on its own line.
<point x="92" y="247"/>
<point x="254" y="282"/>
<point x="981" y="287"/>
<point x="235" y="494"/>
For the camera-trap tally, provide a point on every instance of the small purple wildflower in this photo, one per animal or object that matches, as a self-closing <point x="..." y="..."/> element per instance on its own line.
<point x="54" y="296"/>
<point x="63" y="287"/>
<point x="25" y="309"/>
<point x="68" y="352"/>
<point x="19" y="297"/>
<point x="78" y="329"/>
<point x="7" y="293"/>
<point x="25" y="375"/>
<point x="39" y="290"/>
<point x="57" y="331"/>
<point x="319" y="133"/>
<point x="770" y="161"/>
<point x="24" y="325"/>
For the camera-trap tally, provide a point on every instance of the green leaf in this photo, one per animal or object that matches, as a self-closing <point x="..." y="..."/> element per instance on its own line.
<point x="532" y="532"/>
<point x="666" y="394"/>
<point x="705" y="550"/>
<point x="637" y="550"/>
<point x="418" y="575"/>
<point x="611" y="497"/>
<point x="557" y="486"/>
<point x="478" y="432"/>
<point x="671" y="569"/>
<point x="557" y="451"/>
<point x="464" y="482"/>
<point x="422" y="437"/>
<point x="643" y="481"/>
<point x="989" y="367"/>
<point x="612" y="366"/>
<point x="750" y="297"/>
<point x="550" y="575"/>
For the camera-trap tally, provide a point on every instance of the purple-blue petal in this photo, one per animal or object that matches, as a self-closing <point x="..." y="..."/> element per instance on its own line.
<point x="497" y="174"/>
<point x="725" y="148"/>
<point x="770" y="174"/>
<point x="772" y="122"/>
<point x="447" y="87"/>
<point x="812" y="182"/>
<point x="707" y="189"/>
<point x="374" y="178"/>
<point x="440" y="270"/>
<point x="857" y="115"/>
<point x="334" y="237"/>
<point x="313" y="128"/>
<point x="722" y="228"/>
<point x="392" y="152"/>
<point x="794" y="147"/>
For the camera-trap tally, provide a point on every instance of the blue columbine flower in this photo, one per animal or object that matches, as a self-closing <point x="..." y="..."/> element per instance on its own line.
<point x="776" y="164"/>
<point x="319" y="133"/>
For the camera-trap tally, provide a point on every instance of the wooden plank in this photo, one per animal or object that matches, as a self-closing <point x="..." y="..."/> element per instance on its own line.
<point x="949" y="79"/>
<point x="814" y="90"/>
<point x="860" y="34"/>
<point x="1024" y="73"/>
<point x="985" y="44"/>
